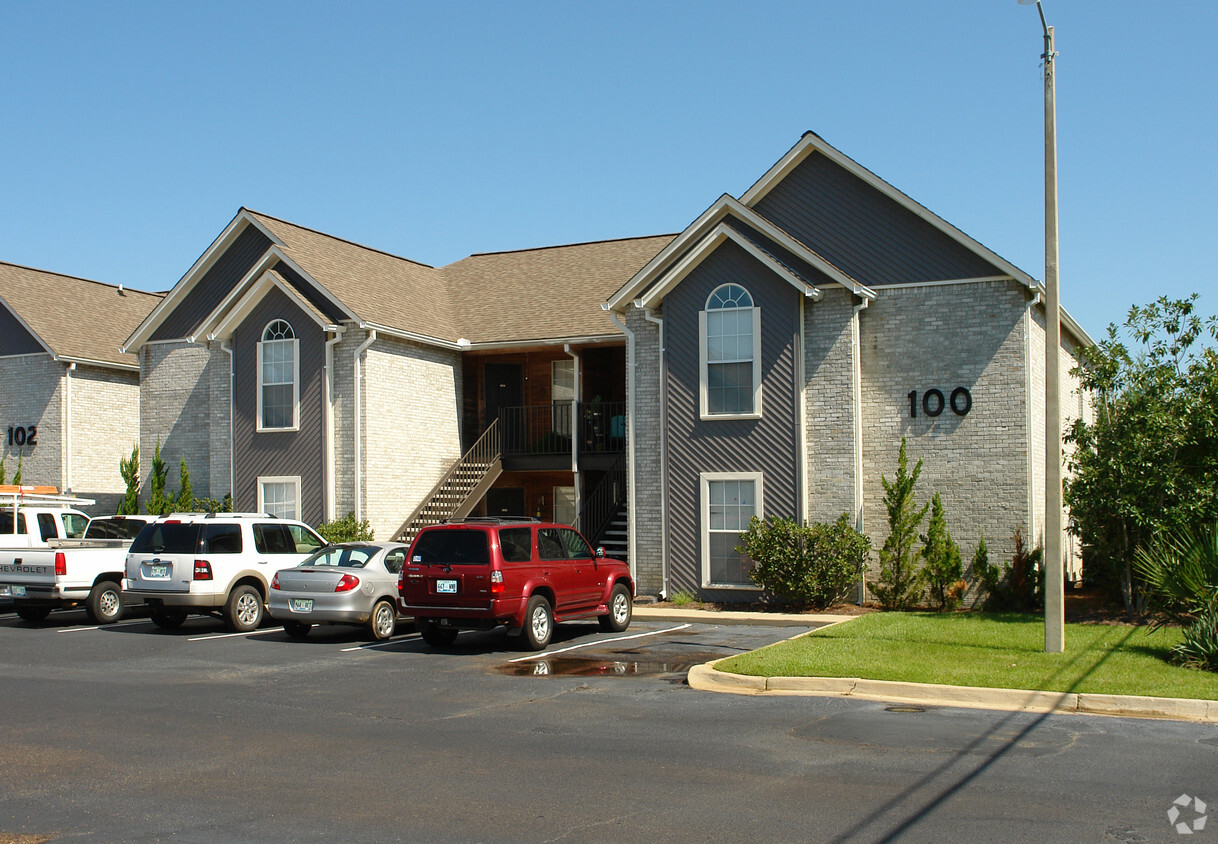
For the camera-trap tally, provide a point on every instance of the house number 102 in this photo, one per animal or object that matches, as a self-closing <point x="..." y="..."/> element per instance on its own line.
<point x="961" y="402"/>
<point x="22" y="435"/>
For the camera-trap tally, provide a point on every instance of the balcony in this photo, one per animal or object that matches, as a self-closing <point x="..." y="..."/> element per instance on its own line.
<point x="540" y="436"/>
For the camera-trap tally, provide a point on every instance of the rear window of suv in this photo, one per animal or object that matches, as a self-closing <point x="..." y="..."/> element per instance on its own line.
<point x="452" y="547"/>
<point x="166" y="538"/>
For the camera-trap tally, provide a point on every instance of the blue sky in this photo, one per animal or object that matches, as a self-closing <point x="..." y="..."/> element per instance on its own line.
<point x="132" y="132"/>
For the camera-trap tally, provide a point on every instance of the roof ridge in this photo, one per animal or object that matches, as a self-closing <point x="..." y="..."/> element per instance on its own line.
<point x="122" y="287"/>
<point x="568" y="245"/>
<point x="339" y="239"/>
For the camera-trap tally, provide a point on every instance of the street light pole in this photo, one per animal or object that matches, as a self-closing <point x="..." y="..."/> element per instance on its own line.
<point x="1055" y="576"/>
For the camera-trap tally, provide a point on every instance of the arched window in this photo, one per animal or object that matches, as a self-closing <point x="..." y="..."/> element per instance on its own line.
<point x="730" y="329"/>
<point x="278" y="378"/>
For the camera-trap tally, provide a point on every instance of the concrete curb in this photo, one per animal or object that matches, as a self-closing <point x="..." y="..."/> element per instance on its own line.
<point x="707" y="678"/>
<point x="651" y="612"/>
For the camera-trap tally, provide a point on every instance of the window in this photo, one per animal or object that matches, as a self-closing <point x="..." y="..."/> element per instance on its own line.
<point x="74" y="525"/>
<point x="46" y="526"/>
<point x="221" y="539"/>
<point x="516" y="544"/>
<point x="562" y="393"/>
<point x="278" y="378"/>
<point x="729" y="501"/>
<point x="564" y="505"/>
<point x="273" y="539"/>
<point x="280" y="497"/>
<point x="729" y="332"/>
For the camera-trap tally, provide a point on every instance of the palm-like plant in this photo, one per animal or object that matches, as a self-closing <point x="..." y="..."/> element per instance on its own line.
<point x="1181" y="574"/>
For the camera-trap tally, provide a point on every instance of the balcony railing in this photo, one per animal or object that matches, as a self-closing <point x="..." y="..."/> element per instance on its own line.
<point x="546" y="429"/>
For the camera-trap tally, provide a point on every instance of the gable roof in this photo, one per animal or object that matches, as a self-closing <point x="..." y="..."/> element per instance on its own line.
<point x="75" y="319"/>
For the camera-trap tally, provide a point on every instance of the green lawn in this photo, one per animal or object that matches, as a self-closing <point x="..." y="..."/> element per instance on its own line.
<point x="994" y="650"/>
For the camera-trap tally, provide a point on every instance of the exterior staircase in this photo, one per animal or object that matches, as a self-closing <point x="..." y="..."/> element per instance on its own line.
<point x="461" y="488"/>
<point x="614" y="539"/>
<point x="602" y="519"/>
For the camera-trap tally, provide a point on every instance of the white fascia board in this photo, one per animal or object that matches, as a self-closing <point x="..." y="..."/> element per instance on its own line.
<point x="589" y="340"/>
<point x="810" y="143"/>
<point x="101" y="364"/>
<point x="187" y="283"/>
<point x="253" y="295"/>
<point x="26" y="326"/>
<point x="1068" y="322"/>
<point x="707" y="246"/>
<point x="388" y="331"/>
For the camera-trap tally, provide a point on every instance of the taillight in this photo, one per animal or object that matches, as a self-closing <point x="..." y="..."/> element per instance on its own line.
<point x="202" y="570"/>
<point x="347" y="583"/>
<point x="275" y="581"/>
<point x="496" y="582"/>
<point x="61" y="564"/>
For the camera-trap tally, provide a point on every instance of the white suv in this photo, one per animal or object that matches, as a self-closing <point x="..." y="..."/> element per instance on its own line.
<point x="222" y="562"/>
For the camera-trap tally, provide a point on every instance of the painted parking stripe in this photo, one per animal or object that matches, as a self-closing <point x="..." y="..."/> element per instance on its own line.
<point x="103" y="626"/>
<point x="369" y="646"/>
<point x="598" y="642"/>
<point x="231" y="635"/>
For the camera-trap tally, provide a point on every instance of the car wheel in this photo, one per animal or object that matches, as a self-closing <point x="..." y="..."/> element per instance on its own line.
<point x="297" y="629"/>
<point x="243" y="611"/>
<point x="435" y="635"/>
<point x="168" y="619"/>
<point x="383" y="620"/>
<point x="538" y="624"/>
<point x="618" y="618"/>
<point x="32" y="614"/>
<point x="105" y="603"/>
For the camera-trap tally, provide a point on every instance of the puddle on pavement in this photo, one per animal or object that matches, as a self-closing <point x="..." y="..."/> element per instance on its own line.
<point x="576" y="667"/>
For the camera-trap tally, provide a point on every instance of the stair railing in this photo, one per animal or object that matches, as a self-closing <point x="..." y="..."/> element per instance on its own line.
<point x="600" y="505"/>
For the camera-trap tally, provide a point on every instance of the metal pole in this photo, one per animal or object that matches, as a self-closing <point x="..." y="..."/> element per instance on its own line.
<point x="1055" y="612"/>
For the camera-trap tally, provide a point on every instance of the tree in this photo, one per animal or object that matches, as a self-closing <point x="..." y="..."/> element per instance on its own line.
<point x="158" y="505"/>
<point x="129" y="468"/>
<point x="900" y="583"/>
<point x="2" y="470"/>
<point x="943" y="566"/>
<point x="1147" y="463"/>
<point x="17" y="474"/>
<point x="185" y="502"/>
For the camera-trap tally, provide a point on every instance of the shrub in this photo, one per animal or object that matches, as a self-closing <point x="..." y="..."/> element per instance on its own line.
<point x="211" y="505"/>
<point x="158" y="505"/>
<point x="900" y="583"/>
<point x="346" y="529"/>
<point x="185" y="501"/>
<point x="129" y="468"/>
<point x="684" y="599"/>
<point x="1180" y="571"/>
<point x="944" y="569"/>
<point x="1019" y="587"/>
<point x="805" y="565"/>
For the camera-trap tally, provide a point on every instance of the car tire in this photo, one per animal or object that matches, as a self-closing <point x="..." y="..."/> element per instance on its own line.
<point x="297" y="629"/>
<point x="32" y="614"/>
<point x="538" y="624"/>
<point x="383" y="620"/>
<point x="435" y="635"/>
<point x="168" y="619"/>
<point x="620" y="610"/>
<point x="243" y="609"/>
<point x="105" y="603"/>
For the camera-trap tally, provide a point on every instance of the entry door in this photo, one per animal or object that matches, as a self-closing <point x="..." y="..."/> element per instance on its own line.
<point x="505" y="501"/>
<point x="503" y="387"/>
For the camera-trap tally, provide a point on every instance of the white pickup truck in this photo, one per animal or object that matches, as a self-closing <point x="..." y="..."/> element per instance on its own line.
<point x="53" y="555"/>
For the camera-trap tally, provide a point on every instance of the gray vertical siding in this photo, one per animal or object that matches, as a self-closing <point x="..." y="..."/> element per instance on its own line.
<point x="216" y="283"/>
<point x="859" y="229"/>
<point x="768" y="445"/>
<point x="290" y="453"/>
<point x="14" y="339"/>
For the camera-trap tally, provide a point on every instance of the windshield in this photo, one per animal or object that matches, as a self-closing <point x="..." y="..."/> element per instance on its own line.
<point x="451" y="546"/>
<point x="114" y="528"/>
<point x="167" y="538"/>
<point x="346" y="557"/>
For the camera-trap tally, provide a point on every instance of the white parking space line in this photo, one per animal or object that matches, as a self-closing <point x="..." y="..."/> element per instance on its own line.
<point x="231" y="635"/>
<point x="101" y="626"/>
<point x="372" y="645"/>
<point x="545" y="654"/>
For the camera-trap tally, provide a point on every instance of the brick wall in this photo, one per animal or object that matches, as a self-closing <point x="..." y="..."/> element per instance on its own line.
<point x="643" y="366"/>
<point x="31" y="393"/>
<point x="829" y="433"/>
<point x="175" y="408"/>
<point x="105" y="424"/>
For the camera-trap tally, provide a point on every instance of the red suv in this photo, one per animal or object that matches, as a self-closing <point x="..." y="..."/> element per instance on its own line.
<point x="478" y="574"/>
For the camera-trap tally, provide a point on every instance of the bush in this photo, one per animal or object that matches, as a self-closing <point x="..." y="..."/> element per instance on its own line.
<point x="805" y="565"/>
<point x="346" y="529"/>
<point x="900" y="583"/>
<point x="1019" y="587"/>
<point x="211" y="505"/>
<point x="1180" y="572"/>
<point x="943" y="570"/>
<point x="129" y="468"/>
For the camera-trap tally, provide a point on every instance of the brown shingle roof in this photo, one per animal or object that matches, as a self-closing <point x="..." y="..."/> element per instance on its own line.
<point x="75" y="317"/>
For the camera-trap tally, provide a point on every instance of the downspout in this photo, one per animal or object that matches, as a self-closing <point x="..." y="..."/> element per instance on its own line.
<point x="357" y="450"/>
<point x="631" y="544"/>
<point x="856" y="388"/>
<point x="329" y="486"/>
<point x="650" y="315"/>
<point x="67" y="427"/>
<point x="232" y="380"/>
<point x="575" y="432"/>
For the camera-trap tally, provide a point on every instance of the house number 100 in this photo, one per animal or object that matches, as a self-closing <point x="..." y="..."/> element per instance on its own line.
<point x="961" y="402"/>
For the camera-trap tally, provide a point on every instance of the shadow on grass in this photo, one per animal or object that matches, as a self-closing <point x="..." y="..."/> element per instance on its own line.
<point x="942" y="793"/>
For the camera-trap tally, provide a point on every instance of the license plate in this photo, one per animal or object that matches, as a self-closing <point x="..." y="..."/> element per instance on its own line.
<point x="19" y="591"/>
<point x="446" y="587"/>
<point x="302" y="605"/>
<point x="158" y="571"/>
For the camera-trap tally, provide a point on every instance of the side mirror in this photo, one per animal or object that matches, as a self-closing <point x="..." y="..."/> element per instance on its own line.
<point x="600" y="553"/>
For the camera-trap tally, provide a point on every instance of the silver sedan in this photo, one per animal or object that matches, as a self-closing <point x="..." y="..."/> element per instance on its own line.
<point x="352" y="583"/>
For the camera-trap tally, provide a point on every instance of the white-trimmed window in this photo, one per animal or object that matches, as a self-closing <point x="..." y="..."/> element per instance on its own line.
<point x="729" y="346"/>
<point x="562" y="393"/>
<point x="729" y="501"/>
<point x="280" y="496"/>
<point x="278" y="378"/>
<point x="564" y="505"/>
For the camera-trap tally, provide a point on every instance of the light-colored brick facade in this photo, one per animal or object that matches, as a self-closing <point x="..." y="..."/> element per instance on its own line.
<point x="177" y="384"/>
